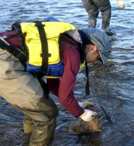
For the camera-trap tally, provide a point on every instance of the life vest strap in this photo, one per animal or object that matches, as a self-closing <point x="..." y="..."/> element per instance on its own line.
<point x="44" y="45"/>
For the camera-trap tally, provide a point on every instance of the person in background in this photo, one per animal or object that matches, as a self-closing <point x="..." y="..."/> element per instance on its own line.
<point x="93" y="7"/>
<point x="27" y="56"/>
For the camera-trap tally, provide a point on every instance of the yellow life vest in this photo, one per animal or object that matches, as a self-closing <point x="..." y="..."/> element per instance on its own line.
<point x="33" y="42"/>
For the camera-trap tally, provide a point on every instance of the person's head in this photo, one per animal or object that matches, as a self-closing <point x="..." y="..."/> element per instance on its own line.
<point x="96" y="43"/>
<point x="92" y="53"/>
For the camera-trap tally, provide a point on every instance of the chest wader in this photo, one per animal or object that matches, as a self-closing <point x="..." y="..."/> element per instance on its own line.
<point x="24" y="92"/>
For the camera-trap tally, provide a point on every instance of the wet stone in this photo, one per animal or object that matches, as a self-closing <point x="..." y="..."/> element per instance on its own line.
<point x="87" y="127"/>
<point x="83" y="127"/>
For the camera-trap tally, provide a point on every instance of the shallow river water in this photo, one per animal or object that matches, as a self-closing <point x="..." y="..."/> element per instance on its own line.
<point x="111" y="85"/>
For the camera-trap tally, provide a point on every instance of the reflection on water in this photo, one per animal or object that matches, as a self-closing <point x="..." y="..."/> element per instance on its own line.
<point x="111" y="85"/>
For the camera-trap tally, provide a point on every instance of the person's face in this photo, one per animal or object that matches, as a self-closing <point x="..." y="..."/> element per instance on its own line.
<point x="92" y="53"/>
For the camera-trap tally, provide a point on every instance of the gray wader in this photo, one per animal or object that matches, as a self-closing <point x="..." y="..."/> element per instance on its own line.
<point x="25" y="93"/>
<point x="93" y="7"/>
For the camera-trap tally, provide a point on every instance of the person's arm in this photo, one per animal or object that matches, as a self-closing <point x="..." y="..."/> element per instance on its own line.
<point x="71" y="61"/>
<point x="64" y="90"/>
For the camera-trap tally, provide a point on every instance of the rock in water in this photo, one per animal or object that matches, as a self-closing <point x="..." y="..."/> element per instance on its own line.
<point x="87" y="127"/>
<point x="93" y="125"/>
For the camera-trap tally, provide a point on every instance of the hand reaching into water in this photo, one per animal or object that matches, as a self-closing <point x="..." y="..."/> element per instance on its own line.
<point x="88" y="115"/>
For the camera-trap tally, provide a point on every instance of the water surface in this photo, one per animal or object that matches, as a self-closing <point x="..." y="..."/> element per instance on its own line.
<point x="112" y="85"/>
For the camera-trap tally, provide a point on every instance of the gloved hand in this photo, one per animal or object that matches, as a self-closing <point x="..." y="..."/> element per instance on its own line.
<point x="88" y="115"/>
<point x="85" y="104"/>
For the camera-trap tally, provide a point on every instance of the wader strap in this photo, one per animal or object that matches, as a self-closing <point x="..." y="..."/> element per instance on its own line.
<point x="10" y="36"/>
<point x="44" y="44"/>
<point x="16" y="52"/>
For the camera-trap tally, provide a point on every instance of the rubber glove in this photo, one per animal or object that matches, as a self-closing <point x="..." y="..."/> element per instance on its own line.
<point x="88" y="115"/>
<point x="85" y="104"/>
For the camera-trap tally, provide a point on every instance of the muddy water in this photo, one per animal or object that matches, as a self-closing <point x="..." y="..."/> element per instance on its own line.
<point x="111" y="85"/>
